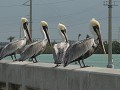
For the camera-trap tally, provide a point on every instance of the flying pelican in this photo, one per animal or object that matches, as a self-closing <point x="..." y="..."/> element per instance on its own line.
<point x="84" y="49"/>
<point x="60" y="48"/>
<point x="11" y="48"/>
<point x="36" y="48"/>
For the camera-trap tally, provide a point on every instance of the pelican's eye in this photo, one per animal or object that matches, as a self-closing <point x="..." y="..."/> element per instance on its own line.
<point x="25" y="25"/>
<point x="45" y="27"/>
<point x="63" y="30"/>
<point x="96" y="29"/>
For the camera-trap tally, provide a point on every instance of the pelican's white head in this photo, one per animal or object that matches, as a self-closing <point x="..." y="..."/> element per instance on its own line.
<point x="63" y="31"/>
<point x="94" y="22"/>
<point x="62" y="27"/>
<point x="44" y="23"/>
<point x="24" y="20"/>
<point x="45" y="31"/>
<point x="95" y="28"/>
<point x="25" y="23"/>
<point x="25" y="26"/>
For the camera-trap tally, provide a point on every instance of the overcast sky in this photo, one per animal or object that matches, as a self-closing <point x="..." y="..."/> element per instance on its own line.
<point x="75" y="14"/>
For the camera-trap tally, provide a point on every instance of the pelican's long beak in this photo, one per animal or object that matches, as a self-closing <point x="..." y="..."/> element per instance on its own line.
<point x="25" y="26"/>
<point x="45" y="28"/>
<point x="64" y="33"/>
<point x="102" y="45"/>
<point x="96" y="28"/>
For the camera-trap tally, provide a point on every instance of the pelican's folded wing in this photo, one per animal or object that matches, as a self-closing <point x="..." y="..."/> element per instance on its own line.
<point x="76" y="50"/>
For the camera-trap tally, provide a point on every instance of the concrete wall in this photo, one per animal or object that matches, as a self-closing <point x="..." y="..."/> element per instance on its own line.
<point x="44" y="76"/>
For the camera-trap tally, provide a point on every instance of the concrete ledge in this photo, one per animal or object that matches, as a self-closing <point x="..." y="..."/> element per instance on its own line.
<point x="44" y="76"/>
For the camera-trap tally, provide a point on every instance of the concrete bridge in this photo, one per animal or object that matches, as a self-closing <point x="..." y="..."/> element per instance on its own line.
<point x="44" y="76"/>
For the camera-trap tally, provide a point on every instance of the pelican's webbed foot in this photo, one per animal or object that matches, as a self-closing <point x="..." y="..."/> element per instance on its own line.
<point x="20" y="60"/>
<point x="85" y="66"/>
<point x="57" y="65"/>
<point x="14" y="60"/>
<point x="35" y="60"/>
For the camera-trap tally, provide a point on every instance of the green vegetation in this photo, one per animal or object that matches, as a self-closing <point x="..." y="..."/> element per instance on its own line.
<point x="115" y="48"/>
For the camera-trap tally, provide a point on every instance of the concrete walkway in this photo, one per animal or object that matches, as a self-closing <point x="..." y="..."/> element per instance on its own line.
<point x="44" y="76"/>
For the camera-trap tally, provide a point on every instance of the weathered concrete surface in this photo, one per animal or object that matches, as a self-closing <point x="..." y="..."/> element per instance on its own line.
<point x="44" y="76"/>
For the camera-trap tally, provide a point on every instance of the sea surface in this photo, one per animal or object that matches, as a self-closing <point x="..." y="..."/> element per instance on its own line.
<point x="96" y="60"/>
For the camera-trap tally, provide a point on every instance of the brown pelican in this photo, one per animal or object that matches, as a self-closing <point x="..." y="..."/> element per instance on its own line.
<point x="11" y="48"/>
<point x="60" y="48"/>
<point x="36" y="48"/>
<point x="84" y="49"/>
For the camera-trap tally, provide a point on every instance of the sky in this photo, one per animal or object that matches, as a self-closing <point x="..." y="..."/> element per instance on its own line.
<point x="75" y="14"/>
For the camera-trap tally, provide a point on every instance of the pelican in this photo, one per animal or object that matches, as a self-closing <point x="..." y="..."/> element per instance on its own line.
<point x="11" y="48"/>
<point x="84" y="49"/>
<point x="60" y="48"/>
<point x="36" y="48"/>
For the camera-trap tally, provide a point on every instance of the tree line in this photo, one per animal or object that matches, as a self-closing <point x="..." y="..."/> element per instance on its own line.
<point x="115" y="48"/>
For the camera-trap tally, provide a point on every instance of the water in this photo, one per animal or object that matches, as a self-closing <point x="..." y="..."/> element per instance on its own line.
<point x="97" y="60"/>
